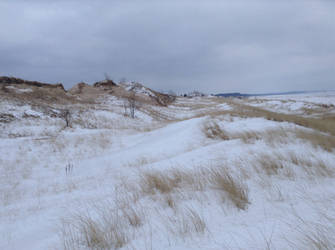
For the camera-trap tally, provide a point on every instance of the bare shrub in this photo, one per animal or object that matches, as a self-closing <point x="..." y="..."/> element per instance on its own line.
<point x="130" y="103"/>
<point x="66" y="115"/>
<point x="236" y="190"/>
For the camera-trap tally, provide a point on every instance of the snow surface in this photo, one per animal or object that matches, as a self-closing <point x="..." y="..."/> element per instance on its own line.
<point x="48" y="173"/>
<point x="297" y="103"/>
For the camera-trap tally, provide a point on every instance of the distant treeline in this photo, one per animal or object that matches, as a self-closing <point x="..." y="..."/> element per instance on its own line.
<point x="236" y="94"/>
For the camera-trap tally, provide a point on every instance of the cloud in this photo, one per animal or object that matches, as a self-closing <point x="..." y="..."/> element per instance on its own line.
<point x="212" y="46"/>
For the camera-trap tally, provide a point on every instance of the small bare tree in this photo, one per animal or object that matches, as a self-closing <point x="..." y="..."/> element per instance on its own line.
<point x="131" y="104"/>
<point x="67" y="117"/>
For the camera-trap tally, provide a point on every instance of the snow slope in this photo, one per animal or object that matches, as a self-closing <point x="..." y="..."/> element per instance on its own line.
<point x="52" y="175"/>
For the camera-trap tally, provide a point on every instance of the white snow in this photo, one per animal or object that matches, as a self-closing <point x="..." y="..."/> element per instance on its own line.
<point x="297" y="103"/>
<point x="48" y="173"/>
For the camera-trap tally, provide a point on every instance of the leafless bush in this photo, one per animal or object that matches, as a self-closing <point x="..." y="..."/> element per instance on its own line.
<point x="131" y="103"/>
<point x="66" y="115"/>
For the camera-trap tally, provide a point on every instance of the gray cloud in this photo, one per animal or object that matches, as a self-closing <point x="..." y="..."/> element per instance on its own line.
<point x="212" y="46"/>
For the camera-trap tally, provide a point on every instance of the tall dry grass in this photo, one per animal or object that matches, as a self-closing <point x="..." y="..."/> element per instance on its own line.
<point x="219" y="179"/>
<point x="187" y="222"/>
<point x="104" y="226"/>
<point x="317" y="139"/>
<point x="211" y="129"/>
<point x="233" y="187"/>
<point x="315" y="234"/>
<point x="324" y="124"/>
<point x="290" y="164"/>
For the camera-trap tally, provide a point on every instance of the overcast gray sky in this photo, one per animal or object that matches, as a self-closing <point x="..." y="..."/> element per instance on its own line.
<point x="212" y="46"/>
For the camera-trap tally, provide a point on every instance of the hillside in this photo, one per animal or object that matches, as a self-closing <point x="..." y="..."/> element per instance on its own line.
<point x="193" y="173"/>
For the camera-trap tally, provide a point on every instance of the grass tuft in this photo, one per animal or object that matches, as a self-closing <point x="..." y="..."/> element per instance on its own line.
<point x="236" y="190"/>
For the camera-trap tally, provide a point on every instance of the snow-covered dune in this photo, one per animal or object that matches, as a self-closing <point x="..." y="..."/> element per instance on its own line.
<point x="198" y="174"/>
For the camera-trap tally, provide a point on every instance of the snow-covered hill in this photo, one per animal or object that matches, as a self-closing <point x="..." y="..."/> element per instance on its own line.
<point x="201" y="173"/>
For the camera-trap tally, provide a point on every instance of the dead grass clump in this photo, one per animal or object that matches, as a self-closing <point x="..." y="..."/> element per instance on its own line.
<point x="187" y="222"/>
<point x="319" y="239"/>
<point x="317" y="139"/>
<point x="134" y="217"/>
<point x="276" y="163"/>
<point x="236" y="190"/>
<point x="167" y="182"/>
<point x="157" y="181"/>
<point x="312" y="165"/>
<point x="212" y="130"/>
<point x="104" y="232"/>
<point x="270" y="136"/>
<point x="140" y="161"/>
<point x="277" y="136"/>
<point x="172" y="181"/>
<point x="316" y="167"/>
<point x="170" y="201"/>
<point x="320" y="235"/>
<point x="270" y="164"/>
<point x="105" y="225"/>
<point x="248" y="136"/>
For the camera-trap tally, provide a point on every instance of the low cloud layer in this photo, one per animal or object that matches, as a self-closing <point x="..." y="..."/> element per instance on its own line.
<point x="212" y="46"/>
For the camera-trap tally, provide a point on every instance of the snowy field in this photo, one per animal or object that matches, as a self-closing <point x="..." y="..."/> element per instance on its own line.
<point x="202" y="173"/>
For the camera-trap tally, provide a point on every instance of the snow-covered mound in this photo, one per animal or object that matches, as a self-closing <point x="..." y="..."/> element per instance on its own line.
<point x="140" y="90"/>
